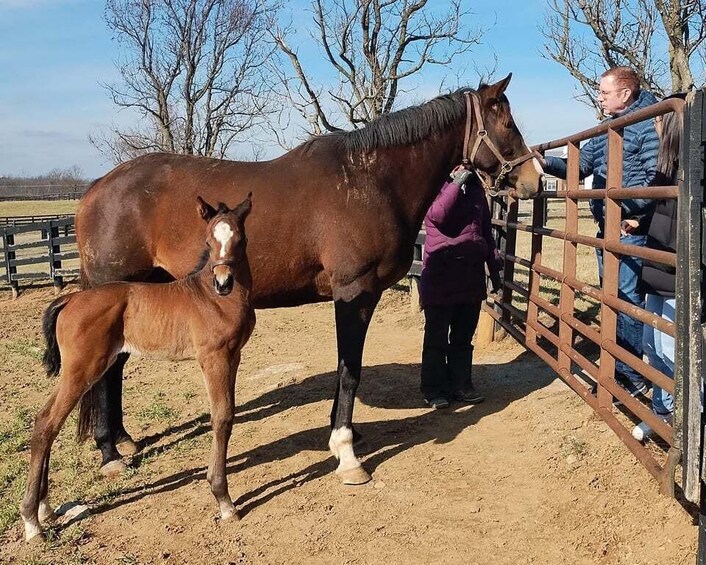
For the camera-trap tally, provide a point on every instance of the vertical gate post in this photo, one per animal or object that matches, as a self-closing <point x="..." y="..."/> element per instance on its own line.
<point x="688" y="370"/>
<point x="611" y="266"/>
<point x="509" y="248"/>
<point x="567" y="295"/>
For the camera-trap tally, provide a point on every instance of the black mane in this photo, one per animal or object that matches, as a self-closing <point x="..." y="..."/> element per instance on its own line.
<point x="403" y="127"/>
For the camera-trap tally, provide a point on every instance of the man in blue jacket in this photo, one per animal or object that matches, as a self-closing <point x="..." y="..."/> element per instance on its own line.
<point x="620" y="94"/>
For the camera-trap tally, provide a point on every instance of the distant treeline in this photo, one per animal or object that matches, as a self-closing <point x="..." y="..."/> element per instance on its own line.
<point x="59" y="184"/>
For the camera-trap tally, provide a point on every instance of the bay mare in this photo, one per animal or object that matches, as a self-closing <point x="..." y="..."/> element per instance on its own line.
<point x="207" y="315"/>
<point x="336" y="219"/>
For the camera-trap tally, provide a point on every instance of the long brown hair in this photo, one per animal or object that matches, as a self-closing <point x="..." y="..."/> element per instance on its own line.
<point x="669" y="147"/>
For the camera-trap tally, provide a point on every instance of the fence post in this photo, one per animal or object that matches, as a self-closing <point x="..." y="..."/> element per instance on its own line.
<point x="54" y="262"/>
<point x="8" y="240"/>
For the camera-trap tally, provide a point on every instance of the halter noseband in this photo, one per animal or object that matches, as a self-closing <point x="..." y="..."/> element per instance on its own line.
<point x="219" y="263"/>
<point x="473" y="106"/>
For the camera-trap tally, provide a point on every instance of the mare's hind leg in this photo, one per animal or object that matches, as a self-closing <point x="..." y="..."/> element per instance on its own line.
<point x="46" y="427"/>
<point x="352" y="320"/>
<point x="219" y="369"/>
<point x="122" y="439"/>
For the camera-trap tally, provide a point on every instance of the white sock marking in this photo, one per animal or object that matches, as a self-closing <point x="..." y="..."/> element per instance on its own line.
<point x="341" y="445"/>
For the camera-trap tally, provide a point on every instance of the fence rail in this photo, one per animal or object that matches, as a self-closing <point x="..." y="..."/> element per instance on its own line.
<point x="38" y="248"/>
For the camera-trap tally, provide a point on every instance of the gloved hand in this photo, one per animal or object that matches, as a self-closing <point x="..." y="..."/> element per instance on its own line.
<point x="459" y="175"/>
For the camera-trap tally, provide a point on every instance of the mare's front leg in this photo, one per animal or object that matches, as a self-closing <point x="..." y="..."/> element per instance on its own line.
<point x="352" y="320"/>
<point x="220" y="369"/>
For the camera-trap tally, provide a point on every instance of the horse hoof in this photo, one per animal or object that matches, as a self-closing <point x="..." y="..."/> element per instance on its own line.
<point x="113" y="469"/>
<point x="230" y="516"/>
<point x="46" y="514"/>
<point x="126" y="447"/>
<point x="354" y="476"/>
<point x="34" y="535"/>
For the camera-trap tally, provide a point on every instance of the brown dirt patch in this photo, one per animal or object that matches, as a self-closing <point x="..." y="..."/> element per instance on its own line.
<point x="530" y="476"/>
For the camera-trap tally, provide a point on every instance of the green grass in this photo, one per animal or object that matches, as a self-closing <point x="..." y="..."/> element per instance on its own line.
<point x="26" y="348"/>
<point x="14" y="441"/>
<point x="158" y="410"/>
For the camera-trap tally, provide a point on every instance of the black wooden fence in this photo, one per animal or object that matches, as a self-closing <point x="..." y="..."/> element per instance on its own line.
<point x="37" y="248"/>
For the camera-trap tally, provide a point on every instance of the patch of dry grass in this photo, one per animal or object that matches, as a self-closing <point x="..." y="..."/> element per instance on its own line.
<point x="37" y="207"/>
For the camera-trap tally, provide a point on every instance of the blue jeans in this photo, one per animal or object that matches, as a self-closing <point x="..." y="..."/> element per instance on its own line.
<point x="659" y="349"/>
<point x="629" y="334"/>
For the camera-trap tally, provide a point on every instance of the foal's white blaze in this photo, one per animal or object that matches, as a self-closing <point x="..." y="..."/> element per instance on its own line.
<point x="223" y="233"/>
<point x="341" y="445"/>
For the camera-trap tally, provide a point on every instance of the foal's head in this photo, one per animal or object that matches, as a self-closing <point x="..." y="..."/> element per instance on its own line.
<point x="226" y="241"/>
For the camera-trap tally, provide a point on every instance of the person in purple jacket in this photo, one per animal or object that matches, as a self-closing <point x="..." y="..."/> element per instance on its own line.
<point x="459" y="243"/>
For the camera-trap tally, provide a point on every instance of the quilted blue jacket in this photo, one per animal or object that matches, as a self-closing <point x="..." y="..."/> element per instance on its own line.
<point x="640" y="148"/>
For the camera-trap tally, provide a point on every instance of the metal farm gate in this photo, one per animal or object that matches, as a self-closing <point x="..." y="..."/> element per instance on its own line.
<point x="553" y="303"/>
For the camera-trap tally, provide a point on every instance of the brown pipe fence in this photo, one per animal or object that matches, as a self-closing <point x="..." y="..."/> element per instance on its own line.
<point x="541" y="290"/>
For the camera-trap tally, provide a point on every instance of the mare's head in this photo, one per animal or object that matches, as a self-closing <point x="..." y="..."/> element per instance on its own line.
<point x="226" y="241"/>
<point x="495" y="147"/>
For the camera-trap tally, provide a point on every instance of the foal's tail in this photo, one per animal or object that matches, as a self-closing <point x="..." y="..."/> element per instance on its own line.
<point x="52" y="355"/>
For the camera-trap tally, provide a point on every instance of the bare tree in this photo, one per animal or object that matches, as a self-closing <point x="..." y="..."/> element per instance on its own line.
<point x="660" y="39"/>
<point x="192" y="70"/>
<point x="372" y="46"/>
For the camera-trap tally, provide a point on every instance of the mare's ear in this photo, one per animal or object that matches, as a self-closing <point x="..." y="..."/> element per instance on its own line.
<point x="206" y="211"/>
<point x="496" y="90"/>
<point x="243" y="209"/>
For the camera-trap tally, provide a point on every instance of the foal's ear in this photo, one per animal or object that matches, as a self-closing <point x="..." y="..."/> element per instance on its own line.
<point x="243" y="209"/>
<point x="206" y="211"/>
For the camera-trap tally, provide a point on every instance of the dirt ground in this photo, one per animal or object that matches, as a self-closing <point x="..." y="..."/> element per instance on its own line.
<point x="530" y="476"/>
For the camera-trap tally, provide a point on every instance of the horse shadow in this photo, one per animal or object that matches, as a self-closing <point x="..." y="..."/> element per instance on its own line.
<point x="391" y="386"/>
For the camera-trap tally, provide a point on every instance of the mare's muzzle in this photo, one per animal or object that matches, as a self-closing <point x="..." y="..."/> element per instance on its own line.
<point x="222" y="279"/>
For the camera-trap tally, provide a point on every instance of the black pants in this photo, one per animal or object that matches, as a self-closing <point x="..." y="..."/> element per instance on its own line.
<point x="447" y="353"/>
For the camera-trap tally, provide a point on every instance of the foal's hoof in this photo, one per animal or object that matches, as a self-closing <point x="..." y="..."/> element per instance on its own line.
<point x="126" y="447"/>
<point x="230" y="515"/>
<point x="46" y="514"/>
<point x="113" y="469"/>
<point x="354" y="476"/>
<point x="34" y="535"/>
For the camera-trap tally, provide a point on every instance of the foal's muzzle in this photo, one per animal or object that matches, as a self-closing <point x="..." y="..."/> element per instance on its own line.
<point x="222" y="280"/>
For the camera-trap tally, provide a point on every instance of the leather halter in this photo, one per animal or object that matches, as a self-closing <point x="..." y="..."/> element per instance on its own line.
<point x="219" y="263"/>
<point x="473" y="106"/>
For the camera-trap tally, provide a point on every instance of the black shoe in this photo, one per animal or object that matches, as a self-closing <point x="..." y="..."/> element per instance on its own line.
<point x="635" y="390"/>
<point x="468" y="395"/>
<point x="437" y="402"/>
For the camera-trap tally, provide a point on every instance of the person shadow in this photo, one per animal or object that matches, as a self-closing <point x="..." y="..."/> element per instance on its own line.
<point x="391" y="386"/>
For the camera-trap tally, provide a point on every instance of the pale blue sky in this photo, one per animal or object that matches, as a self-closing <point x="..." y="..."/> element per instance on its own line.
<point x="54" y="55"/>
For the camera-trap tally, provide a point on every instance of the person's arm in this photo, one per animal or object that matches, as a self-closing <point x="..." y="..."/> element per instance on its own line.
<point x="556" y="166"/>
<point x="443" y="204"/>
<point x="641" y="208"/>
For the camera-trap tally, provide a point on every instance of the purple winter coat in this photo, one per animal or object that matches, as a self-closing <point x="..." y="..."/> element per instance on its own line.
<point x="459" y="243"/>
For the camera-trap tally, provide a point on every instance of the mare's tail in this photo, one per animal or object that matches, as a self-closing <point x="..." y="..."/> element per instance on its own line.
<point x="52" y="355"/>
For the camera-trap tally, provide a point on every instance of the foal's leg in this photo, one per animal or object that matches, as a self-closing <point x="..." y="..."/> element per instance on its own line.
<point x="46" y="427"/>
<point x="45" y="512"/>
<point x="220" y="370"/>
<point x="352" y="320"/>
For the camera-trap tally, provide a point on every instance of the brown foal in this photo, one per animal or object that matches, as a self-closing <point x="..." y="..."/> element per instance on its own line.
<point x="207" y="315"/>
